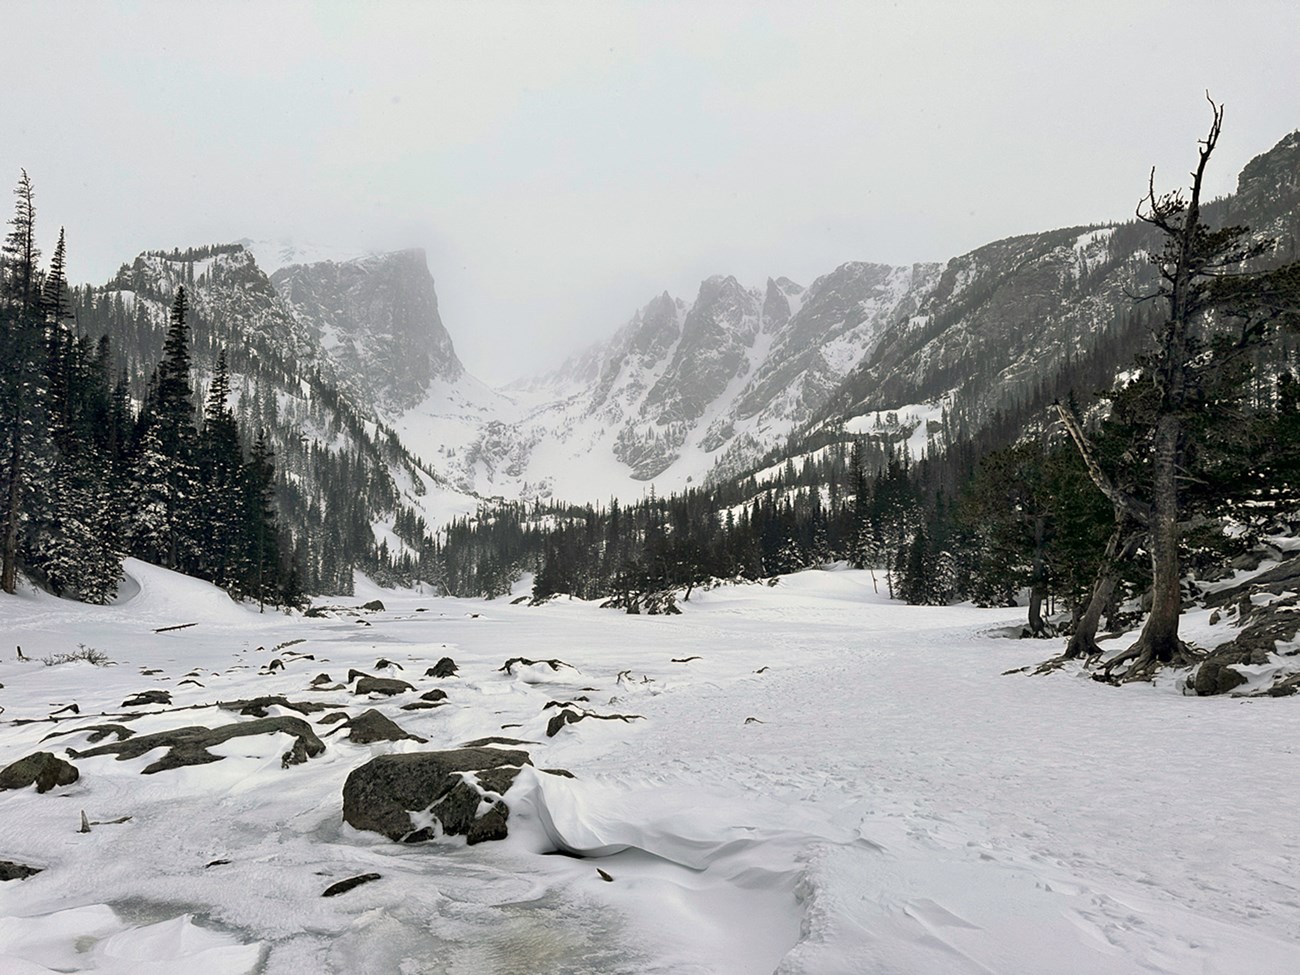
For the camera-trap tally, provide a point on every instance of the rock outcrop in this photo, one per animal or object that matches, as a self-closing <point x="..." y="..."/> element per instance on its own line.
<point x="422" y="795"/>
<point x="45" y="770"/>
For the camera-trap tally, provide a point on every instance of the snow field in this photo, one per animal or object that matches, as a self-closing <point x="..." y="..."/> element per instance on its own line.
<point x="836" y="784"/>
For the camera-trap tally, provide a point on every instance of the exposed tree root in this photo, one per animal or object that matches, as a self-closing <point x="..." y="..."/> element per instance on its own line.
<point x="1144" y="659"/>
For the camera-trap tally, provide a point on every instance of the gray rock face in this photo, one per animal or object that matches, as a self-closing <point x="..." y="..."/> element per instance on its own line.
<point x="381" y="795"/>
<point x="42" y="769"/>
<point x="716" y="337"/>
<point x="378" y="319"/>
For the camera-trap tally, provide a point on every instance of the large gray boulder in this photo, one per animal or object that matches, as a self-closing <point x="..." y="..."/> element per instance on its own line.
<point x="44" y="770"/>
<point x="381" y="795"/>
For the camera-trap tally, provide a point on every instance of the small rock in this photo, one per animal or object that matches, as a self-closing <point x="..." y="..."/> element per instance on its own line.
<point x="320" y="679"/>
<point x="437" y="694"/>
<point x="256" y="707"/>
<point x="16" y="871"/>
<point x="446" y="667"/>
<point x="604" y="876"/>
<point x="297" y="755"/>
<point x="371" y="726"/>
<point x="384" y="662"/>
<point x="343" y="886"/>
<point x="145" y="698"/>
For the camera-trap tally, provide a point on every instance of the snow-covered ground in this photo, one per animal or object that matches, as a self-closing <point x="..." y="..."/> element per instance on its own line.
<point x="837" y="784"/>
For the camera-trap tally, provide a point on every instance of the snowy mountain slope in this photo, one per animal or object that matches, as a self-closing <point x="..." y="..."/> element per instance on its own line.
<point x="818" y="779"/>
<point x="1005" y="319"/>
<point x="335" y="460"/>
<point x="679" y="387"/>
<point x="711" y="388"/>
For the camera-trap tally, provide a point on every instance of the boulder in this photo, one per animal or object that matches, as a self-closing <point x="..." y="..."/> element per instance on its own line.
<point x="371" y="726"/>
<point x="44" y="770"/>
<point x="1216" y="675"/>
<point x="449" y="786"/>
<point x="382" y="685"/>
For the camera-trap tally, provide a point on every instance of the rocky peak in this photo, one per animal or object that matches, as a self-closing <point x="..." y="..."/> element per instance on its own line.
<point x="776" y="307"/>
<point x="717" y="335"/>
<point x="377" y="317"/>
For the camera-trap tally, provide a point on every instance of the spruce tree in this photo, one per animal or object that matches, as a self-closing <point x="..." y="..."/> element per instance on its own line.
<point x="221" y="497"/>
<point x="20" y="366"/>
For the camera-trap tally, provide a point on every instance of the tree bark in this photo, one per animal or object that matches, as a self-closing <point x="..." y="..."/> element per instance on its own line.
<point x="1038" y="582"/>
<point x="13" y="504"/>
<point x="1083" y="641"/>
<point x="1159" y="639"/>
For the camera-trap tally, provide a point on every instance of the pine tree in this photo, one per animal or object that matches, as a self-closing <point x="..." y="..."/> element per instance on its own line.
<point x="221" y="499"/>
<point x="20" y="347"/>
<point x="169" y="415"/>
<point x="260" y="535"/>
<point x="1217" y="310"/>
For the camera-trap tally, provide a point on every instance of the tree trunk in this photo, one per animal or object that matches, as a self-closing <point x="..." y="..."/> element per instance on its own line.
<point x="1036" y="625"/>
<point x="13" y="502"/>
<point x="1159" y="643"/>
<point x="1083" y="642"/>
<point x="1037" y="583"/>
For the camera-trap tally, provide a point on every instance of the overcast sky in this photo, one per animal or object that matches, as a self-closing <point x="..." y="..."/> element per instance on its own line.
<point x="562" y="163"/>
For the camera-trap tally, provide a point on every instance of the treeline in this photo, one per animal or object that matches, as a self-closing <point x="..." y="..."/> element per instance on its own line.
<point x="973" y="520"/>
<point x="87" y="478"/>
<point x="335" y="467"/>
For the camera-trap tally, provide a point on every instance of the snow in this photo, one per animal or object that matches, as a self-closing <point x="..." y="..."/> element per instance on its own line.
<point x="913" y="416"/>
<point x="838" y="784"/>
<point x="272" y="255"/>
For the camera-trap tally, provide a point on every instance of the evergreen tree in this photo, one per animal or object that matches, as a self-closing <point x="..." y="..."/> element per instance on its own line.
<point x="21" y="330"/>
<point x="1216" y="311"/>
<point x="168" y="415"/>
<point x="221" y="497"/>
<point x="261" y="533"/>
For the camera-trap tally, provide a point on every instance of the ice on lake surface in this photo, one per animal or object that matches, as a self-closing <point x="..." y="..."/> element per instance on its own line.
<point x="838" y="783"/>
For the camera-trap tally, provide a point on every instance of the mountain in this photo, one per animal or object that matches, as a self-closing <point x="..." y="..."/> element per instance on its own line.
<point x="344" y="481"/>
<point x="677" y="391"/>
<point x="380" y="433"/>
<point x="376" y="319"/>
<point x="1024" y="319"/>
